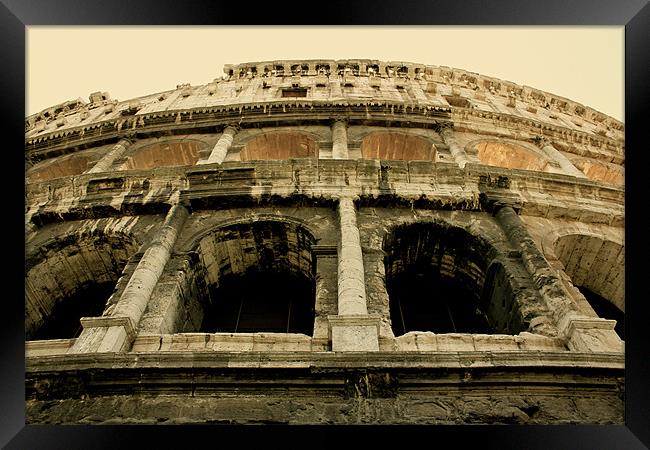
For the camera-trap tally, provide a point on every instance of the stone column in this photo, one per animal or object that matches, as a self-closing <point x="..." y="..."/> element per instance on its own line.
<point x="581" y="332"/>
<point x="564" y="162"/>
<point x="109" y="158"/>
<point x="339" y="140"/>
<point x="352" y="329"/>
<point x="116" y="332"/>
<point x="220" y="149"/>
<point x="457" y="152"/>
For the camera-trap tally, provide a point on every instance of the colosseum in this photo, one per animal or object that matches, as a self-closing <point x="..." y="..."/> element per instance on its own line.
<point x="448" y="248"/>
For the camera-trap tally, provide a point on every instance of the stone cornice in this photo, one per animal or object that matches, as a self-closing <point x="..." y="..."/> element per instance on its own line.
<point x="206" y="118"/>
<point x="192" y="119"/>
<point x="542" y="129"/>
<point x="418" y="184"/>
<point x="408" y="72"/>
<point x="325" y="361"/>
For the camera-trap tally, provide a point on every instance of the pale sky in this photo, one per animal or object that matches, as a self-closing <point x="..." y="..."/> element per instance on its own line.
<point x="584" y="64"/>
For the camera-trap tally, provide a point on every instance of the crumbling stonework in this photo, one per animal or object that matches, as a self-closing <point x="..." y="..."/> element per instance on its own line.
<point x="325" y="241"/>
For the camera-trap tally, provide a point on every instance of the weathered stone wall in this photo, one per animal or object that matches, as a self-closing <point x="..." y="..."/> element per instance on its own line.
<point x="345" y="174"/>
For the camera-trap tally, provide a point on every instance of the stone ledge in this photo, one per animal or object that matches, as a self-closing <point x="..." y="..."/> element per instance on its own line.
<point x="328" y="360"/>
<point x="48" y="347"/>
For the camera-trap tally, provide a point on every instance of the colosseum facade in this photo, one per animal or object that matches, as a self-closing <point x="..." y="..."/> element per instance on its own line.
<point x="317" y="242"/>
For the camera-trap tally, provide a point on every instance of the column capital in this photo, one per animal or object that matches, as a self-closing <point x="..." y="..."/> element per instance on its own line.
<point x="541" y="141"/>
<point x="235" y="126"/>
<point x="353" y="196"/>
<point x="446" y="128"/>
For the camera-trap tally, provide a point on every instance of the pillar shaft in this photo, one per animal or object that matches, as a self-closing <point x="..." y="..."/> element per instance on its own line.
<point x="116" y="332"/>
<point x="109" y="158"/>
<point x="564" y="162"/>
<point x="135" y="297"/>
<point x="220" y="149"/>
<point x="339" y="140"/>
<point x="351" y="280"/>
<point x="546" y="280"/>
<point x="457" y="152"/>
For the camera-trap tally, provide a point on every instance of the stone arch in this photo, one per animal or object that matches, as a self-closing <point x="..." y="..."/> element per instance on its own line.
<point x="508" y="154"/>
<point x="184" y="152"/>
<point x="278" y="145"/>
<point x="260" y="277"/>
<point x="63" y="166"/>
<point x="393" y="145"/>
<point x="600" y="171"/>
<point x="72" y="277"/>
<point x="451" y="265"/>
<point x="594" y="264"/>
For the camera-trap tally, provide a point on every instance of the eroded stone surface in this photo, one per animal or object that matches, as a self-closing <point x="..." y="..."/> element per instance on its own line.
<point x="311" y="168"/>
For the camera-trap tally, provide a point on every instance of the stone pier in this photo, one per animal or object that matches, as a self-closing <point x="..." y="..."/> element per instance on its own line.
<point x="352" y="329"/>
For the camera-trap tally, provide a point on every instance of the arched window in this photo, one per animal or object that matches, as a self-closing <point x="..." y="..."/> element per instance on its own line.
<point x="63" y="166"/>
<point x="159" y="154"/>
<point x="435" y="277"/>
<point x="397" y="146"/>
<point x="279" y="145"/>
<point x="260" y="278"/>
<point x="596" y="170"/>
<point x="73" y="278"/>
<point x="597" y="268"/>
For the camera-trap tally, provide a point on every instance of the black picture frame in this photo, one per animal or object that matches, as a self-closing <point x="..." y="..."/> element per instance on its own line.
<point x="15" y="15"/>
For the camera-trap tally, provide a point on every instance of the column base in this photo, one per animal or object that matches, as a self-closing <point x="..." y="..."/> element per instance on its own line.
<point x="588" y="334"/>
<point x="104" y="334"/>
<point x="354" y="333"/>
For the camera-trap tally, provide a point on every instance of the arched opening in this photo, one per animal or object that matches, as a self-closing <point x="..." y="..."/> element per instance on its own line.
<point x="435" y="277"/>
<point x="597" y="268"/>
<point x="609" y="173"/>
<point x="60" y="167"/>
<point x="396" y="146"/>
<point x="71" y="279"/>
<point x="260" y="278"/>
<point x="279" y="145"/>
<point x="510" y="156"/>
<point x="160" y="154"/>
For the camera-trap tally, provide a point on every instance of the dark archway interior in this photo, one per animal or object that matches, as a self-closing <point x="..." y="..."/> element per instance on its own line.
<point x="421" y="301"/>
<point x="63" y="323"/>
<point x="74" y="277"/>
<point x="260" y="277"/>
<point x="262" y="302"/>
<point x="606" y="310"/>
<point x="434" y="277"/>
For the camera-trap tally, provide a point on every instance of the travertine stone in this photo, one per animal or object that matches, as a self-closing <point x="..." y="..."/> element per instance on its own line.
<point x="339" y="140"/>
<point x="589" y="334"/>
<point x="354" y="333"/>
<point x="564" y="162"/>
<point x="559" y="301"/>
<point x="351" y="282"/>
<point x="278" y="193"/>
<point x="457" y="152"/>
<point x="100" y="336"/>
<point x="104" y="164"/>
<point x="220" y="149"/>
<point x="137" y="292"/>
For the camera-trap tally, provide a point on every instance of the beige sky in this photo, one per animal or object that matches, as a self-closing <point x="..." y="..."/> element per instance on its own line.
<point x="584" y="64"/>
